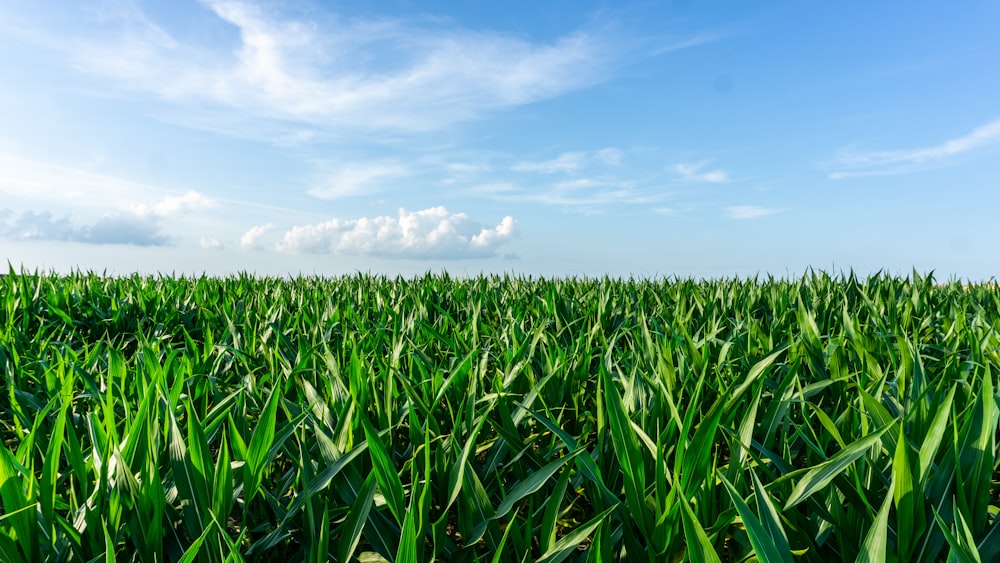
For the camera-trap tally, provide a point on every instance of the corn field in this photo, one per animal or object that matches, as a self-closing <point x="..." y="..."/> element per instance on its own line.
<point x="366" y="418"/>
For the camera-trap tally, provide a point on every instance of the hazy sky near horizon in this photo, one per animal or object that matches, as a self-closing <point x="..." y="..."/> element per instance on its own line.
<point x="577" y="137"/>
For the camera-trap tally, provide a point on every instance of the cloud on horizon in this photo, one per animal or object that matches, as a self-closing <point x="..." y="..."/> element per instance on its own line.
<point x="432" y="233"/>
<point x="111" y="229"/>
<point x="142" y="225"/>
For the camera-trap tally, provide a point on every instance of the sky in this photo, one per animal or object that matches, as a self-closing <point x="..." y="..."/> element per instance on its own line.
<point x="558" y="138"/>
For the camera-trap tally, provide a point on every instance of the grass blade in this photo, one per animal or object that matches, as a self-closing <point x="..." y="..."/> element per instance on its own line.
<point x="570" y="542"/>
<point x="821" y="475"/>
<point x="385" y="471"/>
<point x="699" y="548"/>
<point x="874" y="548"/>
<point x="767" y="545"/>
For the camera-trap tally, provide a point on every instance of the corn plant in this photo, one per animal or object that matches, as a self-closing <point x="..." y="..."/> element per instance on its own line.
<point x="498" y="418"/>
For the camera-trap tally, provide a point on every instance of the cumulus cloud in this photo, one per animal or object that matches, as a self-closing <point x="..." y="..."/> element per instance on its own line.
<point x="124" y="229"/>
<point x="749" y="211"/>
<point x="430" y="233"/>
<point x="251" y="239"/>
<point x="31" y="225"/>
<point x="111" y="229"/>
<point x="140" y="226"/>
<point x="490" y="238"/>
<point x="695" y="172"/>
<point x="885" y="163"/>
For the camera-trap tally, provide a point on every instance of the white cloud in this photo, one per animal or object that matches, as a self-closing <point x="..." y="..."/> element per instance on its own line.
<point x="139" y="225"/>
<point x="687" y="43"/>
<point x="460" y="172"/>
<point x="467" y="167"/>
<point x="694" y="172"/>
<point x="31" y="225"/>
<point x="47" y="183"/>
<point x="490" y="238"/>
<point x="110" y="229"/>
<point x="565" y="162"/>
<point x="333" y="72"/>
<point x="212" y="243"/>
<point x="669" y="211"/>
<point x="884" y="163"/>
<point x="585" y="181"/>
<point x="124" y="229"/>
<point x="251" y="239"/>
<point x="569" y="162"/>
<point x="587" y="195"/>
<point x="191" y="202"/>
<point x="587" y="201"/>
<point x="354" y="179"/>
<point x="749" y="211"/>
<point x="430" y="233"/>
<point x="494" y="189"/>
<point x="579" y="184"/>
<point x="99" y="197"/>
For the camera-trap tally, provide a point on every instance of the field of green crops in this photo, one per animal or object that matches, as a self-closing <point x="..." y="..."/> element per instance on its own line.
<point x="498" y="419"/>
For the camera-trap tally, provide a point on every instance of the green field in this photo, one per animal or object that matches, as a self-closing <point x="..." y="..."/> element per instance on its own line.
<point x="498" y="419"/>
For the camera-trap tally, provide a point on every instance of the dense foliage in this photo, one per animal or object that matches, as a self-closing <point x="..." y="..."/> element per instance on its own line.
<point x="497" y="419"/>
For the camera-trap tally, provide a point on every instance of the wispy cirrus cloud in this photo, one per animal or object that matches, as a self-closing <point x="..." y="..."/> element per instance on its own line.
<point x="570" y="162"/>
<point x="696" y="172"/>
<point x="467" y="167"/>
<point x="749" y="211"/>
<point x="591" y="199"/>
<point x="565" y="162"/>
<point x="364" y="178"/>
<point x="34" y="182"/>
<point x="581" y="181"/>
<point x="891" y="162"/>
<point x="332" y="72"/>
<point x="579" y="184"/>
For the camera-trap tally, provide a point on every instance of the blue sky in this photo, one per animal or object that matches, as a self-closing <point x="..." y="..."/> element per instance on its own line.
<point x="683" y="138"/>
